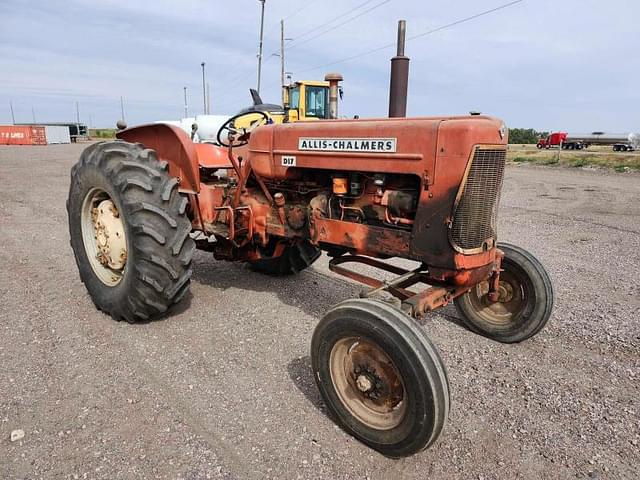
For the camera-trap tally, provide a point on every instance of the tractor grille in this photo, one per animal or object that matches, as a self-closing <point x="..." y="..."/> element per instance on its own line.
<point x="475" y="217"/>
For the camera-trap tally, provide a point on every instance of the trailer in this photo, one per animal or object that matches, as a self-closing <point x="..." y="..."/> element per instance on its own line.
<point x="56" y="134"/>
<point x="619" y="142"/>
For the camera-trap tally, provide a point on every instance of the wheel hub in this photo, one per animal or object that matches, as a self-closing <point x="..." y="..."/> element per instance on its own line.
<point x="103" y="236"/>
<point x="109" y="235"/>
<point x="368" y="383"/>
<point x="505" y="292"/>
<point x="364" y="383"/>
<point x="506" y="306"/>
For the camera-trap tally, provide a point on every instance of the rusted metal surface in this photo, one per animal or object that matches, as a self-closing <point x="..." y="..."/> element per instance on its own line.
<point x="432" y="299"/>
<point x="494" y="281"/>
<point x="396" y="199"/>
<point x="173" y="145"/>
<point x="368" y="382"/>
<point x="335" y="265"/>
<point x="456" y="139"/>
<point x="296" y="217"/>
<point x="474" y="220"/>
<point x="434" y="150"/>
<point x="445" y="287"/>
<point x="359" y="238"/>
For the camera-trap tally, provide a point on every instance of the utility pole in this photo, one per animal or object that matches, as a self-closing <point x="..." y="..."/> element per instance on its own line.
<point x="204" y="91"/>
<point x="282" y="60"/>
<point x="260" y="47"/>
<point x="33" y="114"/>
<point x="122" y="107"/>
<point x="13" y="117"/>
<point x="208" y="99"/>
<point x="90" y="121"/>
<point x="186" y="106"/>
<point x="77" y="113"/>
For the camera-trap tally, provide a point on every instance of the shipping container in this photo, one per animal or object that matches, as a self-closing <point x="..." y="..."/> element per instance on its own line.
<point x="22" y="135"/>
<point x="57" y="134"/>
<point x="15" y="135"/>
<point x="76" y="130"/>
<point x="38" y="136"/>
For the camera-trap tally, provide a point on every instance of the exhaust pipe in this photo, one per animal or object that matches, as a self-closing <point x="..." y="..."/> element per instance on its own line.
<point x="399" y="76"/>
<point x="333" y="79"/>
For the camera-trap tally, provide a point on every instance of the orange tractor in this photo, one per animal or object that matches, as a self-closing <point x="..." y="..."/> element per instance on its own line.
<point x="276" y="196"/>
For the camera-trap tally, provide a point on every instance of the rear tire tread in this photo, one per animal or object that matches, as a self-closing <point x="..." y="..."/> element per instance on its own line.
<point x="158" y="270"/>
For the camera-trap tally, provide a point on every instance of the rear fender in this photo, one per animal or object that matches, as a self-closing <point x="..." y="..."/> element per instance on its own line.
<point x="172" y="145"/>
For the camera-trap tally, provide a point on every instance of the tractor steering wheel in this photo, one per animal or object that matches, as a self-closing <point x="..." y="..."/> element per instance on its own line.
<point x="240" y="133"/>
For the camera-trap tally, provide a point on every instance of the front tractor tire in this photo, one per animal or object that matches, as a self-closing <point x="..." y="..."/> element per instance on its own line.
<point x="129" y="231"/>
<point x="525" y="300"/>
<point x="380" y="376"/>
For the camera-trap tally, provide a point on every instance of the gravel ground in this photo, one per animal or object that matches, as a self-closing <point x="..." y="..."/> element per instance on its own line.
<point x="223" y="389"/>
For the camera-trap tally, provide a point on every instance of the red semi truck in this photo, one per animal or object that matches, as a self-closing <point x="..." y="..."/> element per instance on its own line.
<point x="620" y="143"/>
<point x="553" y="140"/>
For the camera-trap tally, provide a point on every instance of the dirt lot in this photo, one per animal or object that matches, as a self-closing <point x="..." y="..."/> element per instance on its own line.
<point x="223" y="388"/>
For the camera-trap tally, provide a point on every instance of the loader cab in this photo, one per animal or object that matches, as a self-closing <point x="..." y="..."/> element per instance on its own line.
<point x="306" y="101"/>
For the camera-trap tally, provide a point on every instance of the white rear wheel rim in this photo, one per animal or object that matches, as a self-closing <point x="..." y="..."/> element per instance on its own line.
<point x="104" y="237"/>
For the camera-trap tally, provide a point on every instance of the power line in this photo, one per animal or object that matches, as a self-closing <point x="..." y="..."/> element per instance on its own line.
<point x="340" y="24"/>
<point x="295" y="12"/>
<point x="291" y="15"/>
<point x="467" y="19"/>
<point x="328" y="22"/>
<point x="413" y="37"/>
<point x="240" y="70"/>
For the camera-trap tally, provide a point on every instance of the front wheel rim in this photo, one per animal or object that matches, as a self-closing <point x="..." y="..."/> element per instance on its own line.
<point x="103" y="236"/>
<point x="514" y="299"/>
<point x="367" y="383"/>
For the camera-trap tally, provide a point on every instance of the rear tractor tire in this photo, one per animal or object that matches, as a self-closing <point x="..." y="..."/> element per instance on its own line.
<point x="295" y="258"/>
<point x="380" y="376"/>
<point x="129" y="231"/>
<point x="525" y="303"/>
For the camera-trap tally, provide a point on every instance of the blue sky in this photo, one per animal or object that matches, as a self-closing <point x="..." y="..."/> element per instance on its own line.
<point x="570" y="65"/>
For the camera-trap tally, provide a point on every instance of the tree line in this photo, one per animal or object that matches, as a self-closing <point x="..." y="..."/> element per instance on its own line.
<point x="525" y="135"/>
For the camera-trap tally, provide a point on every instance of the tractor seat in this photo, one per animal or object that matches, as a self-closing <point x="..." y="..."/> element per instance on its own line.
<point x="212" y="156"/>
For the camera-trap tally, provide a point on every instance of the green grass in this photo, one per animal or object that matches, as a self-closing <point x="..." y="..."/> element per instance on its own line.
<point x="102" y="133"/>
<point x="597" y="157"/>
<point x="579" y="162"/>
